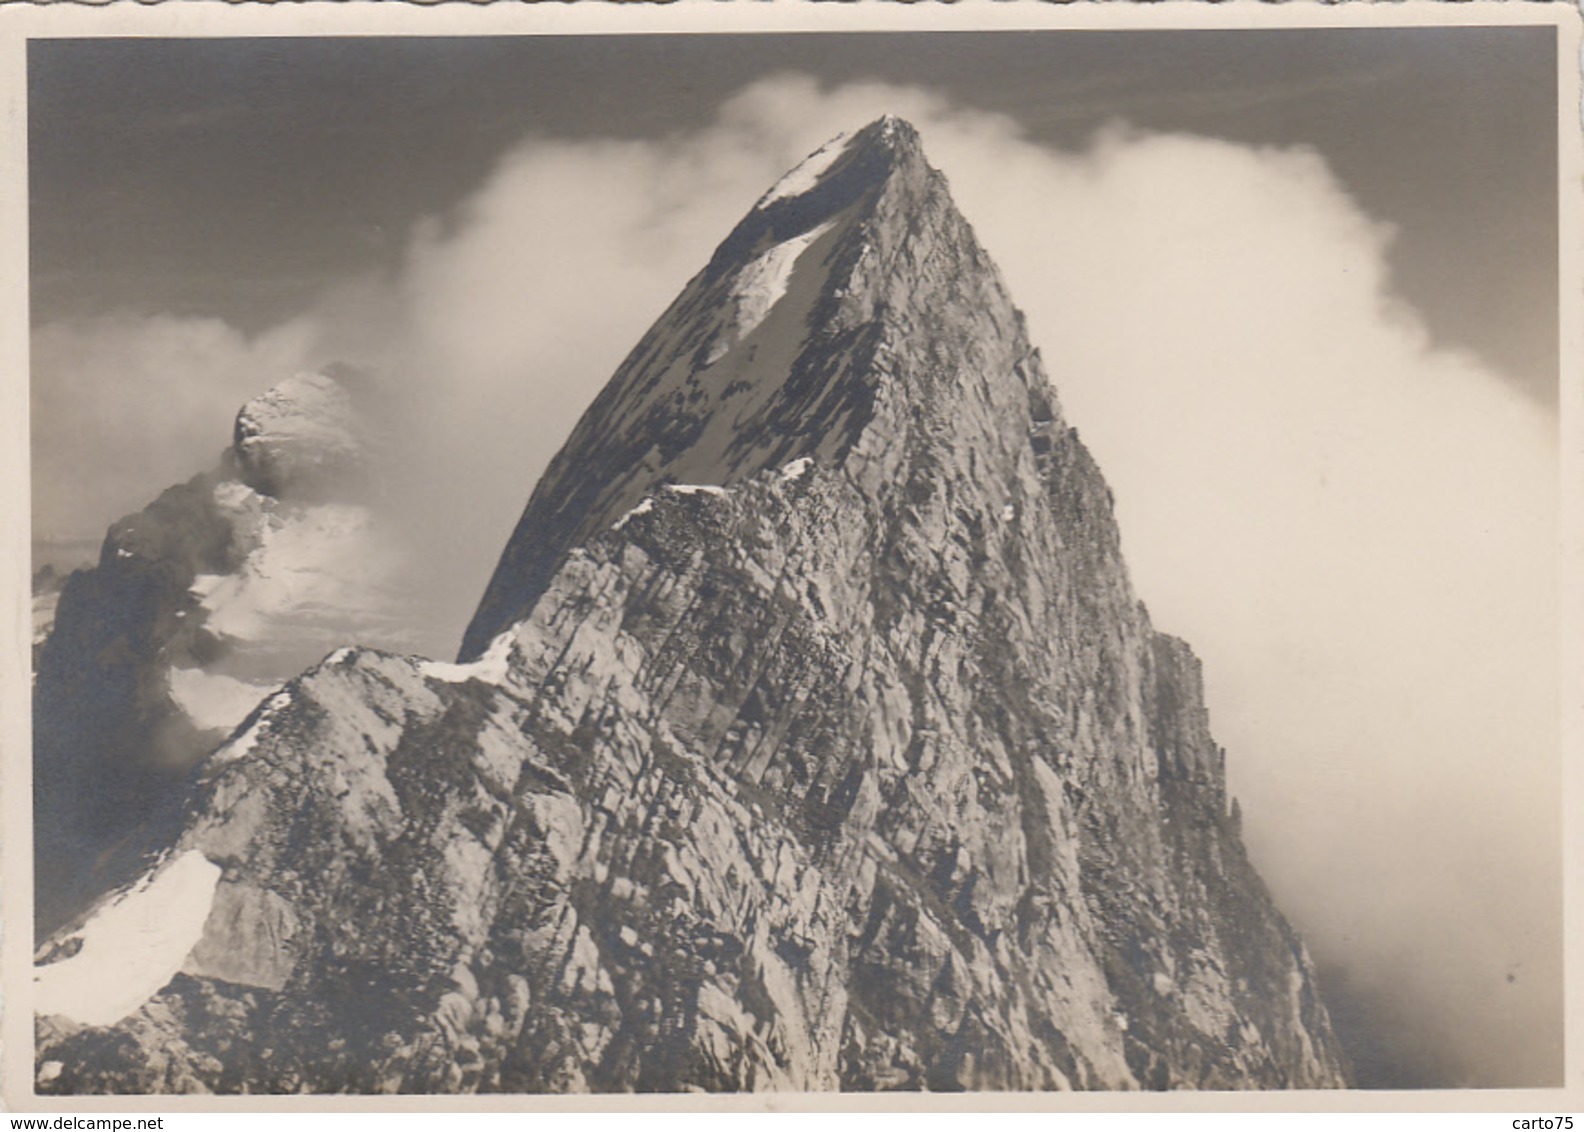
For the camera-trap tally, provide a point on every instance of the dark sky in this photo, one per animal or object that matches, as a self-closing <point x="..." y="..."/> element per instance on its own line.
<point x="238" y="177"/>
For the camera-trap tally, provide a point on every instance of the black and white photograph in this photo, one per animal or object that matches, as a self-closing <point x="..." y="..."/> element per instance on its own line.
<point x="927" y="556"/>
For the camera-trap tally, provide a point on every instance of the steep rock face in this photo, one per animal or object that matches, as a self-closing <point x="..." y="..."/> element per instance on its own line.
<point x="809" y="736"/>
<point x="199" y="607"/>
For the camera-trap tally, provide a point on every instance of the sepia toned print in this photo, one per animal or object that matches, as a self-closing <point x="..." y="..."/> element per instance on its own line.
<point x="914" y="560"/>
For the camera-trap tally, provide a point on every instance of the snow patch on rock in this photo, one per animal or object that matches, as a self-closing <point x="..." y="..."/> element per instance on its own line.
<point x="762" y="283"/>
<point x="695" y="488"/>
<point x="243" y="744"/>
<point x="643" y="507"/>
<point x="44" y="606"/>
<point x="132" y="947"/>
<point x="807" y="173"/>
<point x="491" y="668"/>
<point x="797" y="469"/>
<point x="204" y="585"/>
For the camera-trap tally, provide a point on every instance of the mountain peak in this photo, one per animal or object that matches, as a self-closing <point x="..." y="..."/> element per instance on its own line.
<point x="834" y="182"/>
<point x="897" y="135"/>
<point x="304" y="437"/>
<point x="882" y="147"/>
<point x="780" y="349"/>
<point x="814" y="740"/>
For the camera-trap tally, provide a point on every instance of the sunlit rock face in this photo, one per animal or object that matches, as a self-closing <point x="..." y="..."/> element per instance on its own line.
<point x="809" y="736"/>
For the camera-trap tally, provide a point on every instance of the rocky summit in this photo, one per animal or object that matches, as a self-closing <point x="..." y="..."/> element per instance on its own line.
<point x="809" y="736"/>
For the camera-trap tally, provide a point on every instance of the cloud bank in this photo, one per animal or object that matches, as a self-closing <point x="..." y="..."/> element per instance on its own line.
<point x="124" y="406"/>
<point x="1354" y="529"/>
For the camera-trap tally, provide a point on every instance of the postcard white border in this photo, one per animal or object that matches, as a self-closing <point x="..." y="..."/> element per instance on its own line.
<point x="207" y="18"/>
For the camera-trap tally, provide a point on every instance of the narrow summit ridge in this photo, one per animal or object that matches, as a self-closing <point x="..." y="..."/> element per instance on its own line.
<point x="824" y="186"/>
<point x="809" y="737"/>
<point x="774" y="352"/>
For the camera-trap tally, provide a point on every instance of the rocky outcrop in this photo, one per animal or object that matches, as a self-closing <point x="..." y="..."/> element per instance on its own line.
<point x="199" y="607"/>
<point x="809" y="736"/>
<point x="306" y="438"/>
<point x="47" y="583"/>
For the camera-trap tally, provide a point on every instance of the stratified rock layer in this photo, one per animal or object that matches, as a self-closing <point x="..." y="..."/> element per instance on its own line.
<point x="809" y="736"/>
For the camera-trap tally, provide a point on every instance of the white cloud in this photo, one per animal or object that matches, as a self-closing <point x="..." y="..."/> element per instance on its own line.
<point x="124" y="406"/>
<point x="1354" y="530"/>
